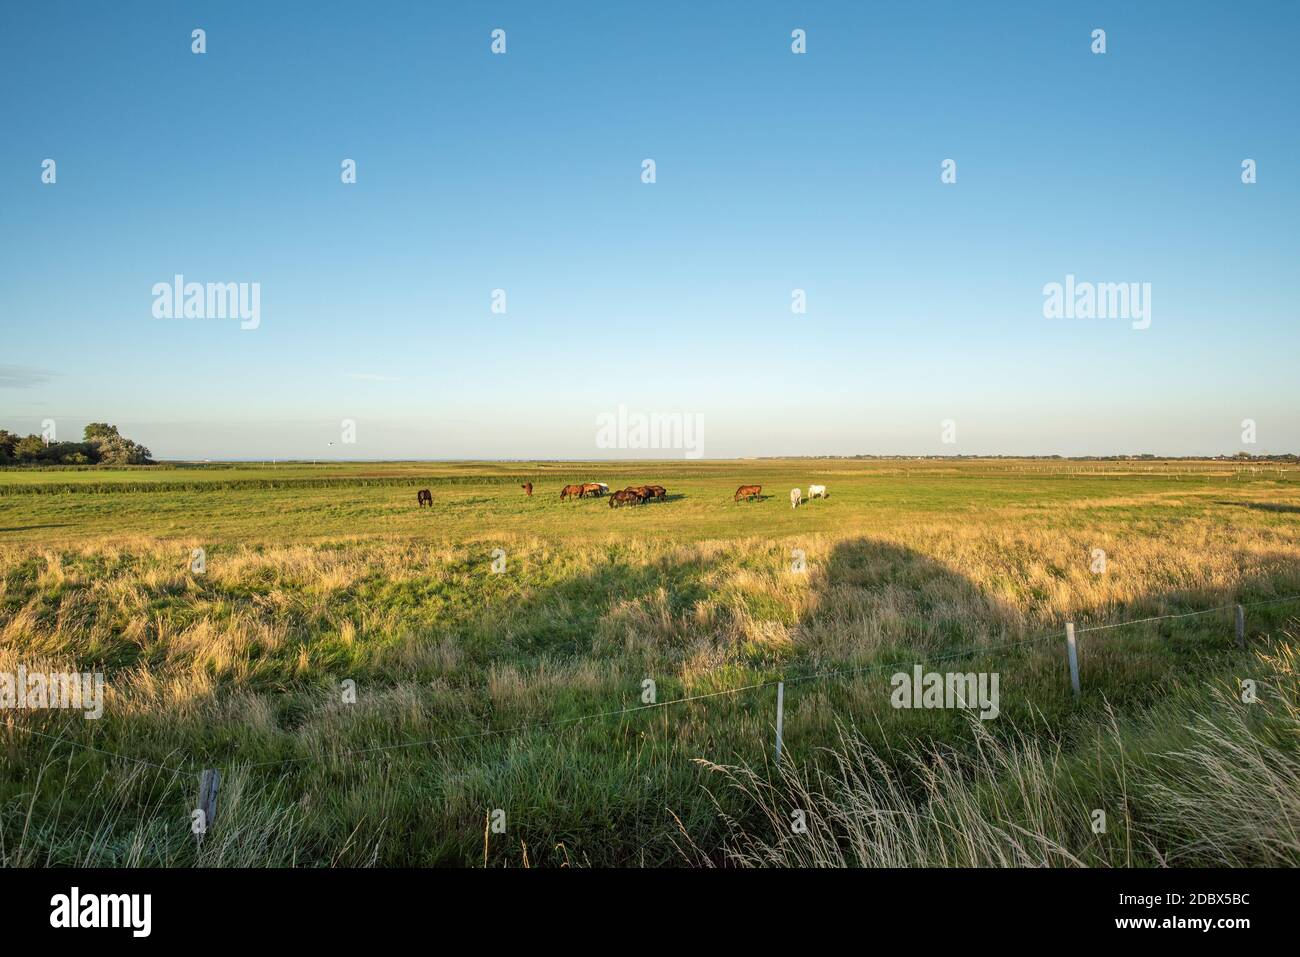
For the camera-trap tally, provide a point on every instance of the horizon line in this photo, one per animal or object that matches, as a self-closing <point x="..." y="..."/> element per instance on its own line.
<point x="1112" y="456"/>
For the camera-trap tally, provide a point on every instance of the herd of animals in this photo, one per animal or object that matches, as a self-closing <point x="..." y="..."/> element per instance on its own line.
<point x="640" y="494"/>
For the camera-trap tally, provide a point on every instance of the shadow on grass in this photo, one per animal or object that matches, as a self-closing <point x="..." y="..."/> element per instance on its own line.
<point x="876" y="597"/>
<point x="602" y="787"/>
<point x="1265" y="506"/>
<point x="569" y="618"/>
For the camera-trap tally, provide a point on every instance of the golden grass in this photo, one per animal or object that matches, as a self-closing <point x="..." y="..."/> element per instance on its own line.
<point x="244" y="664"/>
<point x="858" y="597"/>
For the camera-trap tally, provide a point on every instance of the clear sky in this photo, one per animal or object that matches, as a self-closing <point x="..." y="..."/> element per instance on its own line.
<point x="775" y="171"/>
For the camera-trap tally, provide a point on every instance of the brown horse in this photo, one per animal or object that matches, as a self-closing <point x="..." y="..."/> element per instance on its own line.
<point x="658" y="492"/>
<point x="592" y="488"/>
<point x="571" y="491"/>
<point x="626" y="497"/>
<point x="424" y="497"/>
<point x="528" y="489"/>
<point x="748" y="492"/>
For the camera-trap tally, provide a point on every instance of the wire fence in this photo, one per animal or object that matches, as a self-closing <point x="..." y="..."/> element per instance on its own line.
<point x="980" y="650"/>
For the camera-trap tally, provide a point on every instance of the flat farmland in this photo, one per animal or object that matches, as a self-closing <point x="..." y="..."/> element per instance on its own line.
<point x="605" y="678"/>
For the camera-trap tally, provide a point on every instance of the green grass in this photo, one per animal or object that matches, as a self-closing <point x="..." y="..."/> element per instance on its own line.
<point x="317" y="574"/>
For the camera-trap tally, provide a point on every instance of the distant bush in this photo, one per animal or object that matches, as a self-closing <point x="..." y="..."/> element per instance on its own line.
<point x="114" y="448"/>
<point x="101" y="444"/>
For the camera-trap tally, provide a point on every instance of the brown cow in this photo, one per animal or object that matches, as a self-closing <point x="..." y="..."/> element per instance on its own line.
<point x="424" y="496"/>
<point x="748" y="492"/>
<point x="625" y="497"/>
<point x="571" y="491"/>
<point x="528" y="489"/>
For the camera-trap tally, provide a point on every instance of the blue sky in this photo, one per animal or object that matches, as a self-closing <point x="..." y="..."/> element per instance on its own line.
<point x="775" y="171"/>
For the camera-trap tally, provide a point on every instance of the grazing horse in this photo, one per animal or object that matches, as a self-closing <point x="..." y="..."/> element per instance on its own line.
<point x="796" y="498"/>
<point x="528" y="489"/>
<point x="571" y="491"/>
<point x="817" y="491"/>
<point x="657" y="492"/>
<point x="748" y="492"/>
<point x="424" y="497"/>
<point x="593" y="488"/>
<point x="626" y="497"/>
<point x="642" y="491"/>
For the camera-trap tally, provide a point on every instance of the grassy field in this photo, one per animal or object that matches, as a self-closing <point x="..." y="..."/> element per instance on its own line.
<point x="473" y="687"/>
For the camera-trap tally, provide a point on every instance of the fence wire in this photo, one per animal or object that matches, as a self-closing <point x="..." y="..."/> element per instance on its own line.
<point x="983" y="650"/>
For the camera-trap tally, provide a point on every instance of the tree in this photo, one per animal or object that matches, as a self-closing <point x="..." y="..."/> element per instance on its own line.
<point x="30" y="448"/>
<point x="100" y="430"/>
<point x="113" y="448"/>
<point x="102" y="444"/>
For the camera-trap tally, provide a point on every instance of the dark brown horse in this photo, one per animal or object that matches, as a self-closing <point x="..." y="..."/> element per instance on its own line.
<point x="424" y="497"/>
<point x="657" y="492"/>
<point x="626" y="497"/>
<point x="748" y="492"/>
<point x="528" y="489"/>
<point x="570" y="491"/>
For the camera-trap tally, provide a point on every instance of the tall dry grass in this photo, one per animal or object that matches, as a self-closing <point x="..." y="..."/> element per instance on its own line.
<point x="242" y="666"/>
<point x="1220" y="787"/>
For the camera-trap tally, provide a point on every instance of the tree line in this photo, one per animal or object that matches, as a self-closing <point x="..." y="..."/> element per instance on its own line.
<point x="101" y="444"/>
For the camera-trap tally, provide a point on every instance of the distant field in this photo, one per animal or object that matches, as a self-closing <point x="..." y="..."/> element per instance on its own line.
<point x="316" y="574"/>
<point x="301" y="502"/>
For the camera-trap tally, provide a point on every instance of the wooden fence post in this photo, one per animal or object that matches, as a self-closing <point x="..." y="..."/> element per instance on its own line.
<point x="780" y="712"/>
<point x="1074" y="657"/>
<point x="209" y="783"/>
<point x="1241" y="627"/>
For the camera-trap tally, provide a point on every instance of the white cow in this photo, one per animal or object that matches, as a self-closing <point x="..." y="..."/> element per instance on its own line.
<point x="796" y="498"/>
<point x="817" y="491"/>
